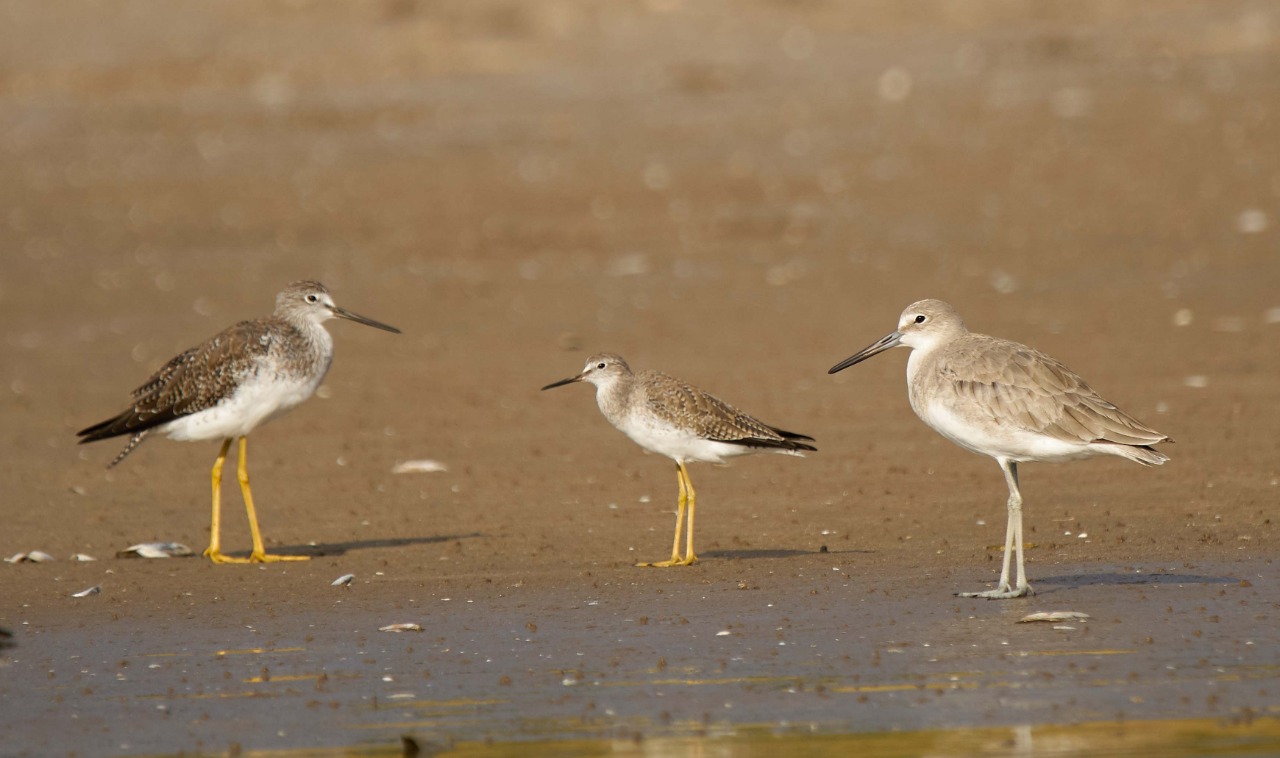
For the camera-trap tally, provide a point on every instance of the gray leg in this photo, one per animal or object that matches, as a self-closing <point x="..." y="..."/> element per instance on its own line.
<point x="1012" y="541"/>
<point x="1015" y="512"/>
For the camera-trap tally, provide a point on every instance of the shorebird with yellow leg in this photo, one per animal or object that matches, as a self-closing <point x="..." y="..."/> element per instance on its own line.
<point x="1007" y="401"/>
<point x="666" y="416"/>
<point x="225" y="387"/>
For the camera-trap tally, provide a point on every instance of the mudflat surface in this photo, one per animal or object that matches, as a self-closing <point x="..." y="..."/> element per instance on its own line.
<point x="739" y="195"/>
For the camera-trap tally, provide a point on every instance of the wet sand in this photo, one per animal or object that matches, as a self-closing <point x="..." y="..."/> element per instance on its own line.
<point x="738" y="197"/>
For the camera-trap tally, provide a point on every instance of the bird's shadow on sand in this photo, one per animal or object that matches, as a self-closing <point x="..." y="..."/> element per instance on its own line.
<point x="328" y="549"/>
<point x="1114" y="578"/>
<point x="758" y="553"/>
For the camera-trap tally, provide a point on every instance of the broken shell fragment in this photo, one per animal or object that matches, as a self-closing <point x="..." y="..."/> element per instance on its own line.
<point x="425" y="466"/>
<point x="343" y="581"/>
<point x="83" y="557"/>
<point x="155" y="550"/>
<point x="1054" y="616"/>
<point x="95" y="589"/>
<point x="35" y="556"/>
<point x="401" y="628"/>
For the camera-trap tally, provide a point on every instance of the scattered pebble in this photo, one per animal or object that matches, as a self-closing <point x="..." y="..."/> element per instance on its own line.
<point x="425" y="466"/>
<point x="894" y="84"/>
<point x="628" y="264"/>
<point x="1054" y="616"/>
<point x="569" y="341"/>
<point x="1003" y="282"/>
<point x="1252" y="221"/>
<point x="95" y="589"/>
<point x="401" y="628"/>
<point x="156" y="550"/>
<point x="1072" y="102"/>
<point x="343" y="581"/>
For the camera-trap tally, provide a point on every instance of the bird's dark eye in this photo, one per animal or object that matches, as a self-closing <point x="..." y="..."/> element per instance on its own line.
<point x="921" y="319"/>
<point x="599" y="365"/>
<point x="313" y="298"/>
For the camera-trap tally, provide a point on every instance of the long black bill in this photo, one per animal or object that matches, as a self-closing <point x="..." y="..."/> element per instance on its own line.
<point x="356" y="317"/>
<point x="563" y="382"/>
<point x="890" y="340"/>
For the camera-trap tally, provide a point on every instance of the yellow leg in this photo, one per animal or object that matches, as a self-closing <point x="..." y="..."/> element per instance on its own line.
<point x="213" y="552"/>
<point x="685" y="501"/>
<point x="689" y="557"/>
<point x="259" y="554"/>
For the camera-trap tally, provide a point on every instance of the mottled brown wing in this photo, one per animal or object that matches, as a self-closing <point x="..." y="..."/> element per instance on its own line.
<point x="191" y="382"/>
<point x="706" y="415"/>
<point x="165" y="373"/>
<point x="1036" y="393"/>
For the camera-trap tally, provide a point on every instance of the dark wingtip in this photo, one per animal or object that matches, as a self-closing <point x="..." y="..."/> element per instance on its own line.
<point x="782" y="444"/>
<point x="791" y="435"/>
<point x="99" y="431"/>
<point x="94" y="428"/>
<point x="104" y="430"/>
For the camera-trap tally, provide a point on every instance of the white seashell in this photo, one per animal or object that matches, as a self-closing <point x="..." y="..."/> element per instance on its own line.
<point x="83" y="557"/>
<point x="343" y="581"/>
<point x="425" y="466"/>
<point x="91" y="591"/>
<point x="400" y="628"/>
<point x="1054" y="616"/>
<point x="35" y="556"/>
<point x="155" y="550"/>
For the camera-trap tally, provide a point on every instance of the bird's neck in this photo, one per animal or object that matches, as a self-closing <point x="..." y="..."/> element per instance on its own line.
<point x="311" y="331"/>
<point x="612" y="397"/>
<point x="309" y="343"/>
<point x="920" y="356"/>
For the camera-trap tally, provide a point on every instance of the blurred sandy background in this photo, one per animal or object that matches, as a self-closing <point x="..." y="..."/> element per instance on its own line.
<point x="740" y="194"/>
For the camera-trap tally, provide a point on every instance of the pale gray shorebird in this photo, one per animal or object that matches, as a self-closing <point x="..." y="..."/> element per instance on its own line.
<point x="1007" y="401"/>
<point x="225" y="387"/>
<point x="666" y="416"/>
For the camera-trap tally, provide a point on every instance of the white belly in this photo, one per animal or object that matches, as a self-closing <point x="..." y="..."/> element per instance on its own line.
<point x="254" y="402"/>
<point x="678" y="444"/>
<point x="989" y="437"/>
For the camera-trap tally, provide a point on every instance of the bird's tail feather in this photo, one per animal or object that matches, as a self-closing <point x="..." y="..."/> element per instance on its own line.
<point x="1144" y="454"/>
<point x="134" y="441"/>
